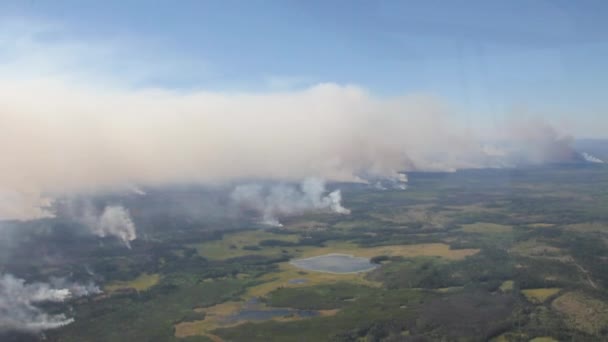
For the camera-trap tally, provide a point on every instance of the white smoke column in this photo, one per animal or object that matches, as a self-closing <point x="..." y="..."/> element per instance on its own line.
<point x="592" y="159"/>
<point x="398" y="182"/>
<point x="286" y="200"/>
<point x="18" y="310"/>
<point x="115" y="221"/>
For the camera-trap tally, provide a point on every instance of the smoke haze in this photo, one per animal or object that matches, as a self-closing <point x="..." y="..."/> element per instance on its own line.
<point x="60" y="139"/>
<point x="285" y="200"/>
<point x="106" y="220"/>
<point x="19" y="300"/>
<point x="114" y="221"/>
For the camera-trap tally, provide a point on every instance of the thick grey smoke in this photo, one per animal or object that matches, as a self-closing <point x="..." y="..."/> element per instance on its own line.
<point x="393" y="183"/>
<point x="18" y="302"/>
<point x="532" y="142"/>
<point x="284" y="200"/>
<point x="113" y="221"/>
<point x="65" y="131"/>
<point x="101" y="219"/>
<point x="63" y="139"/>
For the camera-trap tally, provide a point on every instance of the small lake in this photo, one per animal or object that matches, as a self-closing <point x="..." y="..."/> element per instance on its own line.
<point x="335" y="263"/>
<point x="254" y="310"/>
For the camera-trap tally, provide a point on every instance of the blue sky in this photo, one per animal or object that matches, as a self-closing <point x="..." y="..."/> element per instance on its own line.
<point x="484" y="57"/>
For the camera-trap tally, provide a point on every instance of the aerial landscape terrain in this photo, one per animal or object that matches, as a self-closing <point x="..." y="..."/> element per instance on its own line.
<point x="496" y="254"/>
<point x="303" y="170"/>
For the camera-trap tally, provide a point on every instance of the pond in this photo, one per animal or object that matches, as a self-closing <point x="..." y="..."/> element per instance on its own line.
<point x="335" y="263"/>
<point x="254" y="310"/>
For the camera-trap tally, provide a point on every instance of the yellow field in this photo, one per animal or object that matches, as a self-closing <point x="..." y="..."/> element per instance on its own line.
<point x="486" y="228"/>
<point x="281" y="278"/>
<point x="141" y="283"/>
<point x="541" y="225"/>
<point x="591" y="227"/>
<point x="534" y="248"/>
<point x="231" y="245"/>
<point x="449" y="289"/>
<point x="582" y="313"/>
<point x="543" y="339"/>
<point x="213" y="315"/>
<point x="424" y="249"/>
<point x="538" y="296"/>
<point x="508" y="337"/>
<point x="506" y="286"/>
<point x="272" y="281"/>
<point x="215" y="318"/>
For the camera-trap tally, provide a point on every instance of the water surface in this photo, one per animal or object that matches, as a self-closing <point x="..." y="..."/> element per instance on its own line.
<point x="335" y="263"/>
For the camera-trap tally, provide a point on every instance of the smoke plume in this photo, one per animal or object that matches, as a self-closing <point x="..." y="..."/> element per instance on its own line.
<point x="100" y="218"/>
<point x="18" y="303"/>
<point x="113" y="221"/>
<point x="531" y="142"/>
<point x="60" y="139"/>
<point x="591" y="158"/>
<point x="284" y="200"/>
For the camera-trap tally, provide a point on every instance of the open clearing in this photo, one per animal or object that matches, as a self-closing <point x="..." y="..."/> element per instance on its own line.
<point x="582" y="312"/>
<point x="273" y="281"/>
<point x="538" y="296"/>
<point x="213" y="315"/>
<point x="232" y="245"/>
<point x="287" y="272"/>
<point x="141" y="283"/>
<point x="414" y="213"/>
<point x="486" y="228"/>
<point x="590" y="227"/>
<point x="541" y="225"/>
<point x="506" y="286"/>
<point x="424" y="249"/>
<point x="222" y="316"/>
<point x="535" y="248"/>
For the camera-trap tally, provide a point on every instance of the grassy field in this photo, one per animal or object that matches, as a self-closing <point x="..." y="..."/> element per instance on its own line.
<point x="213" y="316"/>
<point x="538" y="296"/>
<point x="232" y="245"/>
<point x="583" y="312"/>
<point x="281" y="279"/>
<point x="416" y="250"/>
<point x="535" y="248"/>
<point x="141" y="283"/>
<point x="507" y="286"/>
<point x="486" y="228"/>
<point x="544" y="339"/>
